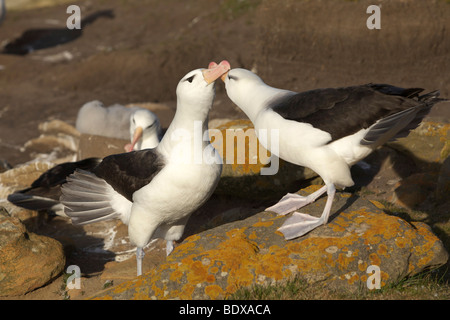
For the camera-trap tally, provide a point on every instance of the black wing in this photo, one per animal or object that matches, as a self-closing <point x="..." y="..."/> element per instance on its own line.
<point x="128" y="172"/>
<point x="45" y="191"/>
<point x="58" y="174"/>
<point x="344" y="111"/>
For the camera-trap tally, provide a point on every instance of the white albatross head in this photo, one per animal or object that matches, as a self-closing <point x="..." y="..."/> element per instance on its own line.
<point x="145" y="130"/>
<point x="249" y="92"/>
<point x="196" y="88"/>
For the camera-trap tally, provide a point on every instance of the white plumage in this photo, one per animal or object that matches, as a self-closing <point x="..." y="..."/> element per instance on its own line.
<point x="327" y="130"/>
<point x="154" y="191"/>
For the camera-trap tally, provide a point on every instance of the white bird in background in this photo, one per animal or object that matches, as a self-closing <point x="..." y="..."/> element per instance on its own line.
<point x="327" y="130"/>
<point x="145" y="130"/>
<point x="44" y="193"/>
<point x="154" y="191"/>
<point x="113" y="121"/>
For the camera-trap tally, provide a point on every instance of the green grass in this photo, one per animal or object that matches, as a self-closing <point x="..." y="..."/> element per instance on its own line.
<point x="234" y="8"/>
<point x="429" y="285"/>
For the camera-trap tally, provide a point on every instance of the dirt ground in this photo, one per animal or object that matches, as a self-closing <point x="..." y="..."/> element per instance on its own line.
<point x="137" y="50"/>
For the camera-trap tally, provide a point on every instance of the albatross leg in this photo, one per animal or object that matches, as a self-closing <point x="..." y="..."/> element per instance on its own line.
<point x="169" y="247"/>
<point x="300" y="223"/>
<point x="293" y="201"/>
<point x="139" y="258"/>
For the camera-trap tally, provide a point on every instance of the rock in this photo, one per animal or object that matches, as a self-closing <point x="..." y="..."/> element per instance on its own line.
<point x="19" y="178"/>
<point x="414" y="190"/>
<point x="443" y="182"/>
<point x="4" y="165"/>
<point x="428" y="145"/>
<point x="411" y="168"/>
<point x="57" y="143"/>
<point x="27" y="260"/>
<point x="215" y="263"/>
<point x="245" y="160"/>
<point x="99" y="146"/>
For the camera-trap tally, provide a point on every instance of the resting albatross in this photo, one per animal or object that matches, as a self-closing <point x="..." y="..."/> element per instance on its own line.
<point x="327" y="130"/>
<point x="154" y="191"/>
<point x="45" y="191"/>
<point x="145" y="130"/>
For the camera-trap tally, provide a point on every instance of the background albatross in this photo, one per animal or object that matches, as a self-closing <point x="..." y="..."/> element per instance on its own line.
<point x="327" y="130"/>
<point x="154" y="191"/>
<point x="45" y="191"/>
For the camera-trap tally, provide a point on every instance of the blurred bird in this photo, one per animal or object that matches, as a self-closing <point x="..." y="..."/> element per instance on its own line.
<point x="37" y="39"/>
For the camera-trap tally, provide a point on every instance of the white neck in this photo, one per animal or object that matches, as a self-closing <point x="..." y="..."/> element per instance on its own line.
<point x="256" y="98"/>
<point x="149" y="141"/>
<point x="188" y="127"/>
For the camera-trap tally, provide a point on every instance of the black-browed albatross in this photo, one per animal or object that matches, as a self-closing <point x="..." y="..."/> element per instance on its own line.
<point x="154" y="191"/>
<point x="145" y="130"/>
<point x="45" y="191"/>
<point x="327" y="130"/>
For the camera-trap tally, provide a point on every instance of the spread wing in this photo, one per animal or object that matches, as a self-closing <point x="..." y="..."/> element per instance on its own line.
<point x="107" y="191"/>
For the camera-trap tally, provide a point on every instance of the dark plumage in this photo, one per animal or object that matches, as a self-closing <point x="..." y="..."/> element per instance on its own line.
<point x="344" y="111"/>
<point x="37" y="39"/>
<point x="44" y="192"/>
<point x="128" y="172"/>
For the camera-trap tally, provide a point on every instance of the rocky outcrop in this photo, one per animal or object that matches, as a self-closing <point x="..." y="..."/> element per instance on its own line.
<point x="222" y="256"/>
<point x="411" y="172"/>
<point x="215" y="263"/>
<point x="27" y="260"/>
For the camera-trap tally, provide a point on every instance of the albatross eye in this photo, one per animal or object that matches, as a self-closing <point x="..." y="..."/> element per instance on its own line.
<point x="230" y="77"/>
<point x="190" y="78"/>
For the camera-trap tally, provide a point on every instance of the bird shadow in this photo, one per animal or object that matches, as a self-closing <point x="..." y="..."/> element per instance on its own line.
<point x="38" y="39"/>
<point x="81" y="248"/>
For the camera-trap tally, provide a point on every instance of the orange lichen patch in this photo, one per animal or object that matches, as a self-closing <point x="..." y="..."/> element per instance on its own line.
<point x="384" y="276"/>
<point x="213" y="270"/>
<point x="176" y="275"/>
<point x="186" y="292"/>
<point x="263" y="224"/>
<point x="362" y="265"/>
<point x="374" y="259"/>
<point x="343" y="261"/>
<point x="424" y="251"/>
<point x="197" y="272"/>
<point x="383" y="250"/>
<point x="436" y="129"/>
<point x="188" y="246"/>
<point x="401" y="242"/>
<point x="311" y="188"/>
<point x="377" y="204"/>
<point x="214" y="291"/>
<point x="253" y="236"/>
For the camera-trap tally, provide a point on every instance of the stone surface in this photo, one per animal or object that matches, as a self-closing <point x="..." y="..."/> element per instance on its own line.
<point x="215" y="263"/>
<point x="27" y="260"/>
<point x="19" y="178"/>
<point x="99" y="146"/>
<point x="443" y="182"/>
<point x="411" y="171"/>
<point x="428" y="145"/>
